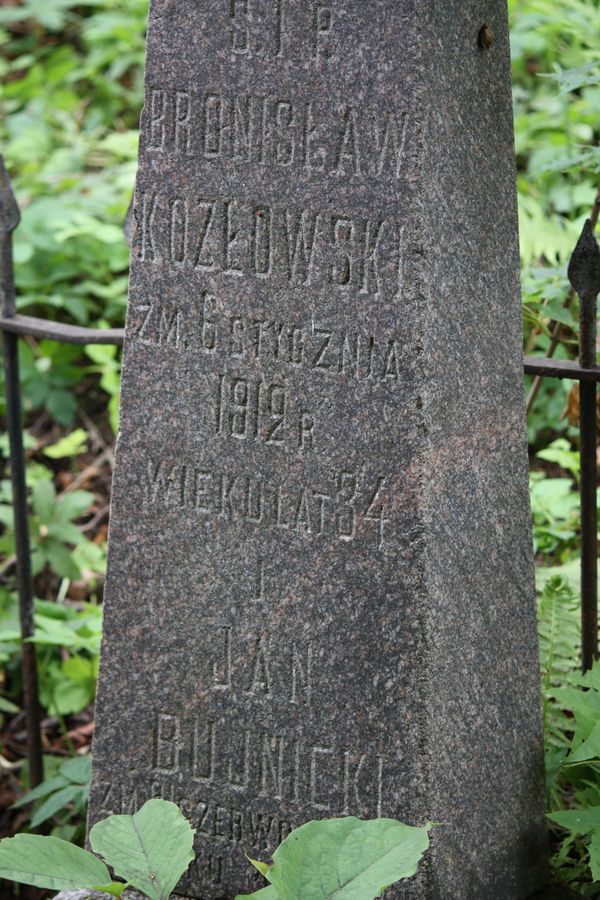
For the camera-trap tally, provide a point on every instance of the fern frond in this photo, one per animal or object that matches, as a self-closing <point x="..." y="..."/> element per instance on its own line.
<point x="559" y="639"/>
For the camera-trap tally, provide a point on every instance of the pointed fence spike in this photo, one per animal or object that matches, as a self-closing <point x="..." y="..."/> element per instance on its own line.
<point x="9" y="208"/>
<point x="584" y="267"/>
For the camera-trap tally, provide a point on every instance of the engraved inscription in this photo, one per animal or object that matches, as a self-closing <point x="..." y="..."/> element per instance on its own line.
<point x="323" y="46"/>
<point x="296" y="247"/>
<point x="332" y="779"/>
<point x="260" y="671"/>
<point x="319" y="349"/>
<point x="258" y="411"/>
<point x="261" y="29"/>
<point x="257" y="28"/>
<point x="341" y="508"/>
<point x="277" y="132"/>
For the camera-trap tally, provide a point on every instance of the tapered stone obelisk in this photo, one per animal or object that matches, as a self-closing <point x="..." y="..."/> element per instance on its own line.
<point x="320" y="590"/>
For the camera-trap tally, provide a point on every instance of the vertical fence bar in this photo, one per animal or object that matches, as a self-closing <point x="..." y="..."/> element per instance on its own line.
<point x="9" y="219"/>
<point x="584" y="275"/>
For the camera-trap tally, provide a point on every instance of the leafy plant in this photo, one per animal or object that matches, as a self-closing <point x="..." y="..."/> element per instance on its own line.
<point x="72" y="444"/>
<point x="69" y="786"/>
<point x="151" y="849"/>
<point x="555" y="508"/>
<point x="51" y="863"/>
<point x="574" y="781"/>
<point x="56" y="541"/>
<point x="71" y="100"/>
<point x="55" y="531"/>
<point x="346" y="858"/>
<point x="108" y="365"/>
<point x="559" y="639"/>
<point x="68" y="641"/>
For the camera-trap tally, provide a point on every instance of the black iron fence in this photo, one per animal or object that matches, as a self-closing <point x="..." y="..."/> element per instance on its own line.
<point x="584" y="275"/>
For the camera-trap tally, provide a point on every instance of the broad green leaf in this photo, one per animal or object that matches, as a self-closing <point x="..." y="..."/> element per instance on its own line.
<point x="48" y="862"/>
<point x="579" y="821"/>
<point x="151" y="849"/>
<point x="78" y="769"/>
<point x="266" y="893"/>
<point x="346" y="859"/>
<point x="60" y="559"/>
<point x="71" y="698"/>
<point x="43" y="498"/>
<point x="66" y="532"/>
<point x="74" y="504"/>
<point x="55" y="803"/>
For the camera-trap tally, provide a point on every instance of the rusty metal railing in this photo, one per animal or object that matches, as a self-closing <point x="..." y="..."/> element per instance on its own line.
<point x="13" y="326"/>
<point x="584" y="275"/>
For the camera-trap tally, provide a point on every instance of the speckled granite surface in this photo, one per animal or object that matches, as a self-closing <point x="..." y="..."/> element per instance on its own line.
<point x="320" y="588"/>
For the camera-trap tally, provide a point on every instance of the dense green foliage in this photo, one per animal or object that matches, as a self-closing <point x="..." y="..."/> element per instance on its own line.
<point x="346" y="859"/>
<point x="69" y="108"/>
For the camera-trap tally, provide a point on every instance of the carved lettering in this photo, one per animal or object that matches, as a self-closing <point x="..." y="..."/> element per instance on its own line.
<point x="271" y="414"/>
<point x="345" y="508"/>
<point x="280" y="244"/>
<point x="254" y="410"/>
<point x="253" y="762"/>
<point x="278" y="132"/>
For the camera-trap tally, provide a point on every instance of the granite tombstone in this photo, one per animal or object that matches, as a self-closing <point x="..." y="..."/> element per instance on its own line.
<point x="319" y="598"/>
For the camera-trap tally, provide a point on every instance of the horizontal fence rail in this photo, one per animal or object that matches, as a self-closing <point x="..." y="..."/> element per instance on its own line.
<point x="564" y="368"/>
<point x="57" y="331"/>
<point x="584" y="274"/>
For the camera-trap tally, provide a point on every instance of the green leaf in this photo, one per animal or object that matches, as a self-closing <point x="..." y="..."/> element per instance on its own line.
<point x="590" y="749"/>
<point x="73" y="505"/>
<point x="43" y="497"/>
<point x="73" y="444"/>
<point x="151" y="849"/>
<point x="65" y="532"/>
<point x="60" y="559"/>
<point x="55" y="803"/>
<point x="115" y="888"/>
<point x="579" y="821"/>
<point x="262" y="867"/>
<point x="78" y="769"/>
<point x="48" y="862"/>
<point x="62" y="407"/>
<point x="70" y="698"/>
<point x="576" y="78"/>
<point x="346" y="859"/>
<point x="42" y="790"/>
<point x="7" y="706"/>
<point x="594" y="849"/>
